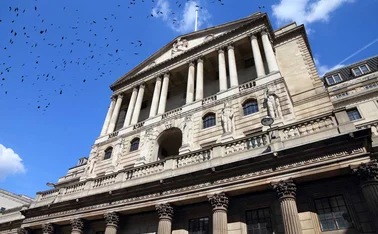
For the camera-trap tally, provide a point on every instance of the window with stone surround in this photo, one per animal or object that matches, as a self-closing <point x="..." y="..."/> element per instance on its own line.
<point x="259" y="221"/>
<point x="250" y="106"/>
<point x="353" y="114"/>
<point x="334" y="79"/>
<point x="360" y="70"/>
<point x="108" y="153"/>
<point x="134" y="144"/>
<point x="333" y="213"/>
<point x="208" y="120"/>
<point x="199" y="226"/>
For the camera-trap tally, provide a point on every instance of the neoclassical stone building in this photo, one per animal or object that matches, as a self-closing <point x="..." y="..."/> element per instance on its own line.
<point x="225" y="130"/>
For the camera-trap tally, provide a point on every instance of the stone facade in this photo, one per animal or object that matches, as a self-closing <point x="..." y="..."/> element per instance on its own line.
<point x="183" y="149"/>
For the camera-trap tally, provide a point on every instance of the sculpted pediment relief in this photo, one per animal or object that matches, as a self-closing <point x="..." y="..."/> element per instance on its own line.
<point x="179" y="46"/>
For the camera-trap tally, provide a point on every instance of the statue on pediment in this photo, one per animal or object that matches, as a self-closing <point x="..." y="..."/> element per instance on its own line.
<point x="179" y="46"/>
<point x="93" y="158"/>
<point x="227" y="118"/>
<point x="273" y="103"/>
<point x="187" y="131"/>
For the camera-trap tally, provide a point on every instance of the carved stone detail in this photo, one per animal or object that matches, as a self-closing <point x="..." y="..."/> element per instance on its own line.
<point x="367" y="172"/>
<point x="22" y="231"/>
<point x="47" y="228"/>
<point x="77" y="224"/>
<point x="164" y="210"/>
<point x="285" y="188"/>
<point x="218" y="201"/>
<point x="111" y="219"/>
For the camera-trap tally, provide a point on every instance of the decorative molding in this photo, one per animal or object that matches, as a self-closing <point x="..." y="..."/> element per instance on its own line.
<point x="47" y="228"/>
<point x="164" y="210"/>
<point x="111" y="219"/>
<point x="367" y="172"/>
<point x="218" y="201"/>
<point x="285" y="189"/>
<point x="77" y="225"/>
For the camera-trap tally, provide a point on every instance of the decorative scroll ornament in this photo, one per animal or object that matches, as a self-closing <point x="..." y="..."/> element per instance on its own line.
<point x="23" y="231"/>
<point x="367" y="172"/>
<point x="164" y="210"/>
<point x="48" y="228"/>
<point x="77" y="225"/>
<point x="111" y="219"/>
<point x="218" y="201"/>
<point x="285" y="188"/>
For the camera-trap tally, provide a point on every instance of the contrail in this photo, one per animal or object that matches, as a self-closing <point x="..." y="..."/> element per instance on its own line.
<point x="358" y="51"/>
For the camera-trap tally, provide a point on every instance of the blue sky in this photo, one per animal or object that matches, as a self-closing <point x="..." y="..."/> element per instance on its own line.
<point x="73" y="50"/>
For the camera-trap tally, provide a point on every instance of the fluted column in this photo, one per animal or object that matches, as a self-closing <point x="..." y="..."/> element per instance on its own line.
<point x="111" y="220"/>
<point x="47" y="228"/>
<point x="23" y="231"/>
<point x="77" y="226"/>
<point x="117" y="108"/>
<point x="232" y="66"/>
<point x="165" y="212"/>
<point x="130" y="108"/>
<point x="219" y="202"/>
<point x="138" y="104"/>
<point x="190" y="83"/>
<point x="222" y="70"/>
<point x="199" y="79"/>
<point x="164" y="93"/>
<point x="108" y="116"/>
<point x="269" y="53"/>
<point x="286" y="192"/>
<point x="257" y="56"/>
<point x="155" y="98"/>
<point x="368" y="175"/>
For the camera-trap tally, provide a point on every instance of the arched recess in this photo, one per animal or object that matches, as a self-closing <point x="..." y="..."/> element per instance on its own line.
<point x="168" y="143"/>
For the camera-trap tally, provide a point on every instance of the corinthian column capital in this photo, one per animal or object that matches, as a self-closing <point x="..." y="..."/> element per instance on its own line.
<point x="367" y="172"/>
<point x="23" y="231"/>
<point x="218" y="201"/>
<point x="77" y="225"/>
<point x="285" y="188"/>
<point x="164" y="210"/>
<point x="48" y="228"/>
<point x="111" y="219"/>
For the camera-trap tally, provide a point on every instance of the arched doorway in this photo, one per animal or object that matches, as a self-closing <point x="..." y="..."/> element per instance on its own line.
<point x="169" y="143"/>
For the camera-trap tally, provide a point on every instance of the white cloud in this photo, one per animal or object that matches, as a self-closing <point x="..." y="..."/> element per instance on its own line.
<point x="305" y="11"/>
<point x="10" y="162"/>
<point x="182" y="21"/>
<point x="323" y="69"/>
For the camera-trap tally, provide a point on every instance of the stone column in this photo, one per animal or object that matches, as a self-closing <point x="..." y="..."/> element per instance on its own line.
<point x="130" y="108"/>
<point x="48" y="228"/>
<point x="165" y="212"/>
<point x="108" y="116"/>
<point x="269" y="53"/>
<point x="155" y="98"/>
<point x="190" y="84"/>
<point x="222" y="70"/>
<point x="138" y="104"/>
<point x="117" y="108"/>
<point x="232" y="66"/>
<point x="199" y="86"/>
<point x="219" y="202"/>
<point x="257" y="56"/>
<point x="111" y="220"/>
<point x="164" y="93"/>
<point x="286" y="191"/>
<point x="77" y="226"/>
<point x="368" y="175"/>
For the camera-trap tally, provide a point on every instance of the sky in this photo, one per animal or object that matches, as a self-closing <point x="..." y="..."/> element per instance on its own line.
<point x="58" y="59"/>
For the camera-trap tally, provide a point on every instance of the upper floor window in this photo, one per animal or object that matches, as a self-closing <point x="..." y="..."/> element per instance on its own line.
<point x="250" y="106"/>
<point x="108" y="153"/>
<point x="259" y="221"/>
<point x="134" y="145"/>
<point x="199" y="226"/>
<point x="334" y="79"/>
<point x="353" y="114"/>
<point x="333" y="213"/>
<point x="208" y="120"/>
<point x="360" y="70"/>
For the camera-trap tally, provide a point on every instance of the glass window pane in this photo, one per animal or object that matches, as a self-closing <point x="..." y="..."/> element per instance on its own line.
<point x="357" y="71"/>
<point x="364" y="69"/>
<point x="353" y="114"/>
<point x="330" y="80"/>
<point x="337" y="78"/>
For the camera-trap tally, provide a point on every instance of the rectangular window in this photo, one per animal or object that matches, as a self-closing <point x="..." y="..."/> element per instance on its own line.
<point x="360" y="70"/>
<point x="259" y="221"/>
<point x="333" y="213"/>
<point x="334" y="79"/>
<point x="199" y="226"/>
<point x="353" y="114"/>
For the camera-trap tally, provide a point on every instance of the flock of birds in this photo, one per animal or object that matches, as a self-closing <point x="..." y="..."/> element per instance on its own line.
<point x="34" y="49"/>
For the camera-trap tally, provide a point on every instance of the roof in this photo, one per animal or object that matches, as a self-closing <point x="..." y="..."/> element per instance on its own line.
<point x="346" y="71"/>
<point x="20" y="198"/>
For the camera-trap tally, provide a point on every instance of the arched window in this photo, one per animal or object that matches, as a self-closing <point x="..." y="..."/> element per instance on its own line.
<point x="208" y="120"/>
<point x="134" y="144"/>
<point x="108" y="153"/>
<point x="250" y="106"/>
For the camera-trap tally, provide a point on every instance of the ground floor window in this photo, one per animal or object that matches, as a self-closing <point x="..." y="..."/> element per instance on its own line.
<point x="199" y="226"/>
<point x="259" y="221"/>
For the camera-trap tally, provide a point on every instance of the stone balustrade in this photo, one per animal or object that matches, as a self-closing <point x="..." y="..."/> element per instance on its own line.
<point x="355" y="90"/>
<point x="171" y="113"/>
<point x="245" y="144"/>
<point x="194" y="158"/>
<point x="48" y="194"/>
<point x="113" y="134"/>
<point x="209" y="100"/>
<point x="138" y="125"/>
<point x="308" y="127"/>
<point x="75" y="188"/>
<point x="372" y="125"/>
<point x="104" y="181"/>
<point x="146" y="170"/>
<point x="247" y="86"/>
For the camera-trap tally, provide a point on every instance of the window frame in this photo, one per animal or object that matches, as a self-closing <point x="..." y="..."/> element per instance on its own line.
<point x="199" y="219"/>
<point x="358" y="112"/>
<point x="110" y="148"/>
<point x="257" y="209"/>
<point x="359" y="68"/>
<point x="244" y="108"/>
<point x="208" y="114"/>
<point x="133" y="142"/>
<point x="333" y="78"/>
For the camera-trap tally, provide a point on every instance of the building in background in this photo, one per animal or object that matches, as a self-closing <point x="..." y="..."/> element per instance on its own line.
<point x="226" y="130"/>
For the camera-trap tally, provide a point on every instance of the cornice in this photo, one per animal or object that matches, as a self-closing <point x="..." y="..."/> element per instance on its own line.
<point x="15" y="197"/>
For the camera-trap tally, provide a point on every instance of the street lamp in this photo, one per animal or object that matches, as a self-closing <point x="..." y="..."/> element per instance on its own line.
<point x="268" y="121"/>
